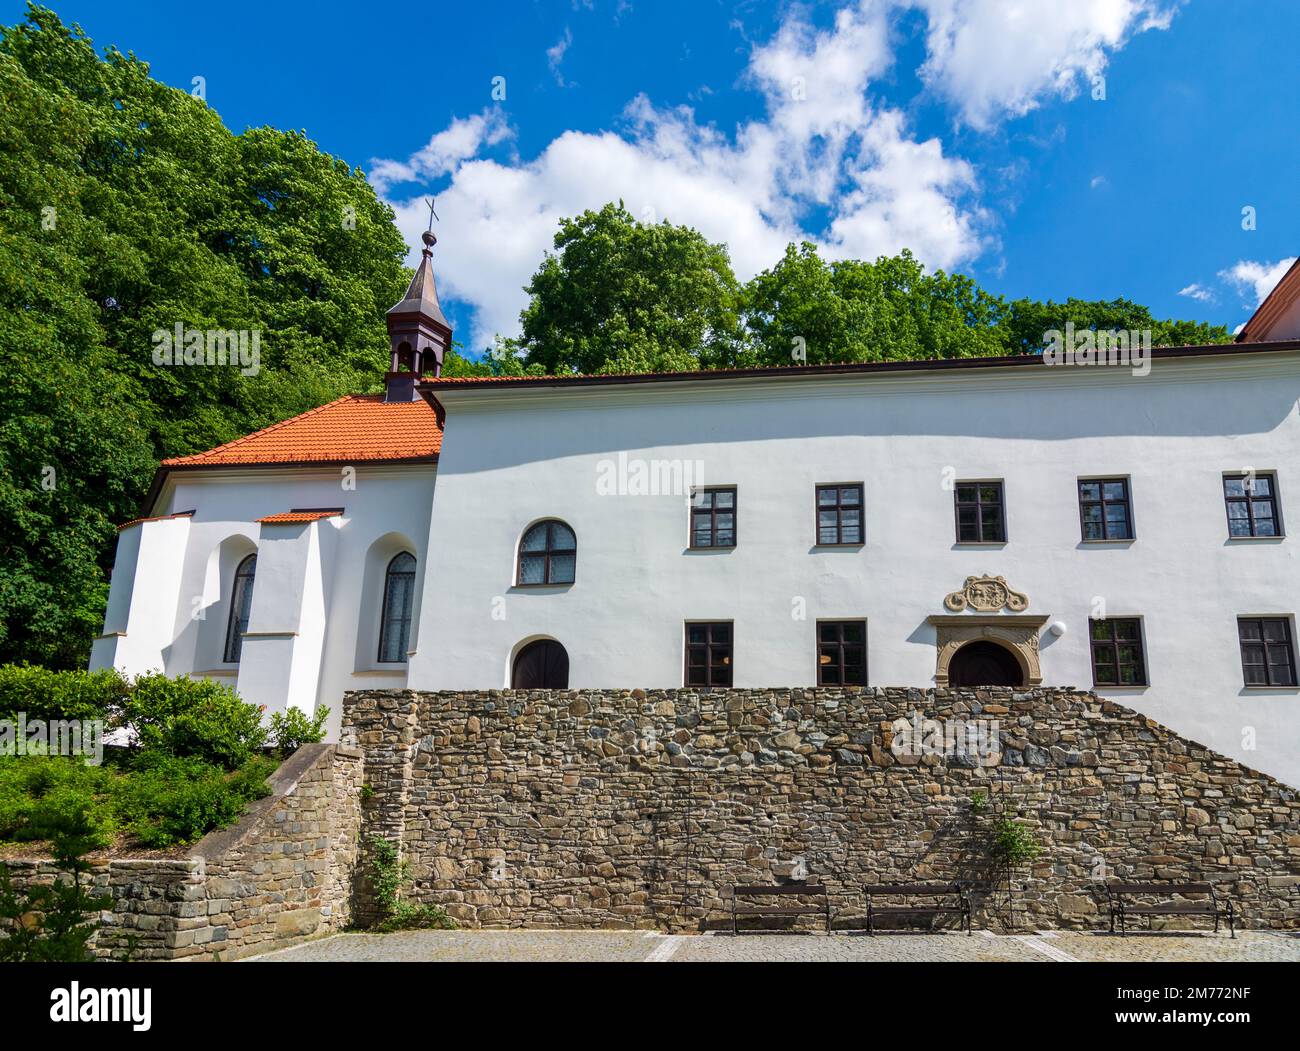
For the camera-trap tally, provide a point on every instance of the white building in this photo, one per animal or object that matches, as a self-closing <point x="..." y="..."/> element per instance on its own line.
<point x="1000" y="521"/>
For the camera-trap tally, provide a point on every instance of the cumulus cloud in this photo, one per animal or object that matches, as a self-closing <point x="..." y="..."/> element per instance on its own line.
<point x="1256" y="279"/>
<point x="458" y="142"/>
<point x="999" y="58"/>
<point x="823" y="146"/>
<point x="1197" y="292"/>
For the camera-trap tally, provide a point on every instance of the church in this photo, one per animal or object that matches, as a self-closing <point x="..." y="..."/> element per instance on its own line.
<point x="1013" y="521"/>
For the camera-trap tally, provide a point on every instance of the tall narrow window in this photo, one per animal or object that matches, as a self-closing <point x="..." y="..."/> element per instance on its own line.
<point x="395" y="622"/>
<point x="981" y="515"/>
<point x="842" y="653"/>
<point x="241" y="601"/>
<point x="1252" y="505"/>
<point x="708" y="654"/>
<point x="1267" y="658"/>
<point x="548" y="554"/>
<point x="1117" y="658"/>
<point x="1104" y="509"/>
<point x="713" y="518"/>
<point x="839" y="515"/>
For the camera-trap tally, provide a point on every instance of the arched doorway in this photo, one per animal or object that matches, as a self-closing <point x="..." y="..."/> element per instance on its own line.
<point x="541" y="665"/>
<point x="983" y="663"/>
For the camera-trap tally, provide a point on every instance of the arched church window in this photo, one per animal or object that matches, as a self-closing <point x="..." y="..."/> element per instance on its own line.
<point x="241" y="602"/>
<point x="548" y="554"/>
<point x="399" y="595"/>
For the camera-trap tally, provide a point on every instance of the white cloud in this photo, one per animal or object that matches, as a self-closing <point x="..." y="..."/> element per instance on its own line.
<point x="1197" y="292"/>
<point x="823" y="147"/>
<point x="1257" y="279"/>
<point x="458" y="142"/>
<point x="998" y="58"/>
<point x="555" y="55"/>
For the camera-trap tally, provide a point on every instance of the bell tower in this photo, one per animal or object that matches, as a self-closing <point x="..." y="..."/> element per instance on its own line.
<point x="418" y="333"/>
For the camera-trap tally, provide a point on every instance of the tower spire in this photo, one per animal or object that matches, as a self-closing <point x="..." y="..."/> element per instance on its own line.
<point x="419" y="335"/>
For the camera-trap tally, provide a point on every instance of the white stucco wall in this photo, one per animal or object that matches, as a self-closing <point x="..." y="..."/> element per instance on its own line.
<point x="512" y="456"/>
<point x="315" y="586"/>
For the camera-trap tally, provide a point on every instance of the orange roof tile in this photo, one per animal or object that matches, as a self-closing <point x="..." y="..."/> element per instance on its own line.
<point x="293" y="517"/>
<point x="354" y="429"/>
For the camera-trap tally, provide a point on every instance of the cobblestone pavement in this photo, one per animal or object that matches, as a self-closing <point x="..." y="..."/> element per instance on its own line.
<point x="644" y="946"/>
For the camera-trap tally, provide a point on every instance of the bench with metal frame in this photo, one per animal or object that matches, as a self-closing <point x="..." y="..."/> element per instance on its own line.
<point x="957" y="901"/>
<point x="811" y="890"/>
<point x="1214" y="906"/>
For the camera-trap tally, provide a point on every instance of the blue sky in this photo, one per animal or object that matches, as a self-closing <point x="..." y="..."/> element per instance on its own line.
<point x="966" y="130"/>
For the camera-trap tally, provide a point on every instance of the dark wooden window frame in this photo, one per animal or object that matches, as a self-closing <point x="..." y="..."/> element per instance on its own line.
<point x="243" y="582"/>
<point x="839" y="646"/>
<point x="548" y="552"/>
<point x="1103" y="503"/>
<point x="839" y="508"/>
<point x="402" y="624"/>
<point x="708" y="647"/>
<point x="1288" y="645"/>
<point x="958" y="504"/>
<point x="1114" y="641"/>
<point x="711" y="512"/>
<point x="1250" y="500"/>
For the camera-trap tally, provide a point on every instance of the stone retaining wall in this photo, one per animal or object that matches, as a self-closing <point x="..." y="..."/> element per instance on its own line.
<point x="641" y="808"/>
<point x="285" y="870"/>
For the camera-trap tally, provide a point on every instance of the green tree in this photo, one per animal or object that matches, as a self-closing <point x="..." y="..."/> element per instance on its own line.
<point x="807" y="310"/>
<point x="126" y="207"/>
<point x="619" y="295"/>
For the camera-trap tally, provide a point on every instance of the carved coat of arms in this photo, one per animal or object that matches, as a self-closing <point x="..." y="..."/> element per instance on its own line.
<point x="986" y="595"/>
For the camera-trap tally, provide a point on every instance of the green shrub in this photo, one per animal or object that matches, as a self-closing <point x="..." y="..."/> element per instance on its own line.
<point x="169" y="799"/>
<point x="1013" y="843"/>
<point x="49" y="797"/>
<point x="292" y="729"/>
<point x="387" y="875"/>
<point x="194" y="718"/>
<point x="45" y="694"/>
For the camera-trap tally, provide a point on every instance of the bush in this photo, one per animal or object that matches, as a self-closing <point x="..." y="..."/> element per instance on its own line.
<point x="49" y="797"/>
<point x="387" y="875"/>
<point x="292" y="729"/>
<point x="170" y="799"/>
<point x="194" y="718"/>
<point x="46" y="694"/>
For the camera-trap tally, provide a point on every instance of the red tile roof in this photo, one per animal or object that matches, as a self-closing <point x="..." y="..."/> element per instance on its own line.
<point x="357" y="428"/>
<point x="293" y="517"/>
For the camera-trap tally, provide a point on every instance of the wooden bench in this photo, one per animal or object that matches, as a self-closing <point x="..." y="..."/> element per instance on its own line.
<point x="1213" y="905"/>
<point x="783" y="890"/>
<point x="945" y="898"/>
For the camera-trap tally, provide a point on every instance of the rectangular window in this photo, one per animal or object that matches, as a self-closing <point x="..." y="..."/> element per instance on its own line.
<point x="842" y="653"/>
<point x="981" y="517"/>
<point x="708" y="654"/>
<point x="1117" y="658"/>
<point x="1252" y="505"/>
<point x="1267" y="658"/>
<point x="1104" y="509"/>
<point x="839" y="514"/>
<point x="713" y="518"/>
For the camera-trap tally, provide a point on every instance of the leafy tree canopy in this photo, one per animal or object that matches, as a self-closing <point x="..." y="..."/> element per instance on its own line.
<point x="126" y="207"/>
